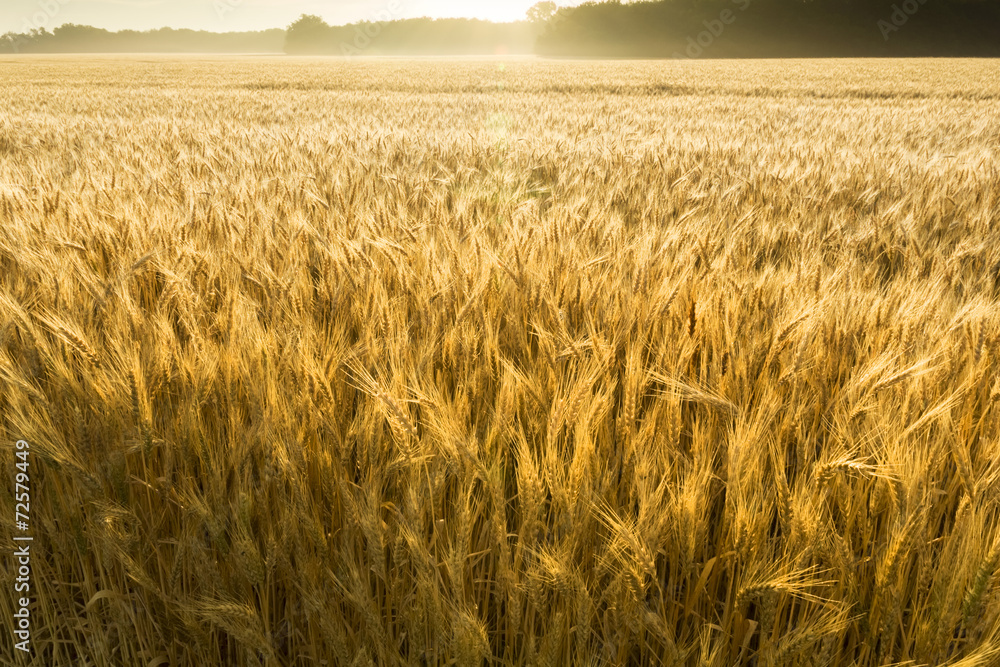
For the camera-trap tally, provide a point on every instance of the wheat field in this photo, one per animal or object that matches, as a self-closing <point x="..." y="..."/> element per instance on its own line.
<point x="502" y="362"/>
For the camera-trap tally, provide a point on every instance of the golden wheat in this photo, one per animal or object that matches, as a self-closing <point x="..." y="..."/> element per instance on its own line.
<point x="424" y="363"/>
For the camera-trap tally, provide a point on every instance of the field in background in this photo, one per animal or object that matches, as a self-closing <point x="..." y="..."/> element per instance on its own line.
<point x="436" y="362"/>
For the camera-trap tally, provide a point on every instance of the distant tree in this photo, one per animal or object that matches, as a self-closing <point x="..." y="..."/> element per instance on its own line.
<point x="11" y="42"/>
<point x="306" y="34"/>
<point x="541" y="12"/>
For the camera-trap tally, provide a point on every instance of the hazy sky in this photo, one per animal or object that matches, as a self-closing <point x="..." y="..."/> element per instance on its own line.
<point x="226" y="15"/>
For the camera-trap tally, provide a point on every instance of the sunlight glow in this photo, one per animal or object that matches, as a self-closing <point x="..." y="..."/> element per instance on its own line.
<point x="494" y="10"/>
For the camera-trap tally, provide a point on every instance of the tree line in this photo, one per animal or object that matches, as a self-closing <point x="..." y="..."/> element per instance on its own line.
<point x="774" y="29"/>
<point x="307" y="35"/>
<point x="422" y="36"/>
<point x="71" y="38"/>
<point x="661" y="29"/>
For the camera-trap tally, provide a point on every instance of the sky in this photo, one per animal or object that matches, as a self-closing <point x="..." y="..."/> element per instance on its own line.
<point x="237" y="15"/>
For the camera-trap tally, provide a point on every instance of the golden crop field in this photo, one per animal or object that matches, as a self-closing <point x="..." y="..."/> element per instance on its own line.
<point x="501" y="362"/>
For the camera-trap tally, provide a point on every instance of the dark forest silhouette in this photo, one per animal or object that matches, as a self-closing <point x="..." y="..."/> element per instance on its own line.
<point x="675" y="28"/>
<point x="775" y="28"/>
